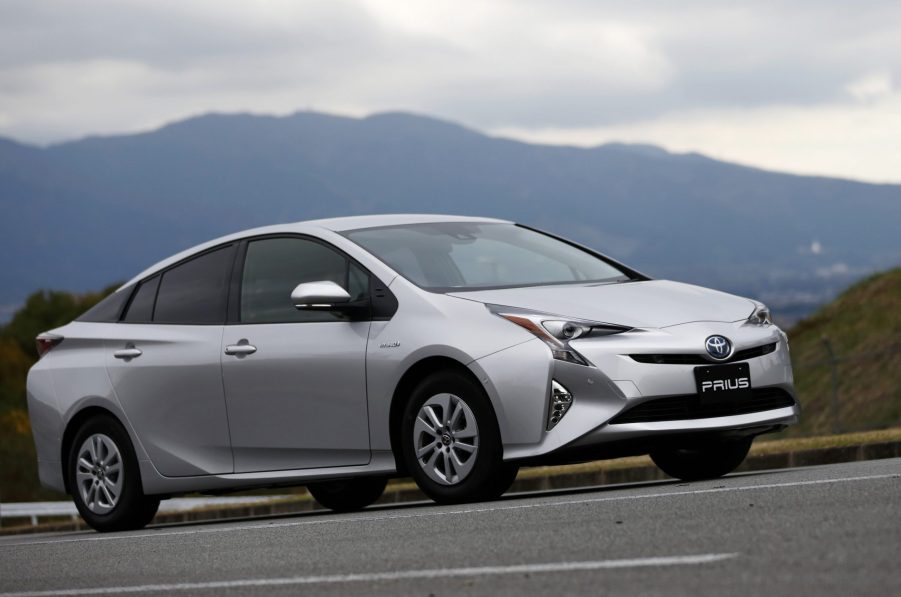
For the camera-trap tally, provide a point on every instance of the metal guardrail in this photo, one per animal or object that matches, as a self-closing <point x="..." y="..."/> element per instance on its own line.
<point x="34" y="511"/>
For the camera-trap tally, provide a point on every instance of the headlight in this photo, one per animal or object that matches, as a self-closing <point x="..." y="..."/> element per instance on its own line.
<point x="761" y="316"/>
<point x="556" y="332"/>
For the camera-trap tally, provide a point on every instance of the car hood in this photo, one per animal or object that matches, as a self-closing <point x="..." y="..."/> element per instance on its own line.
<point x="651" y="304"/>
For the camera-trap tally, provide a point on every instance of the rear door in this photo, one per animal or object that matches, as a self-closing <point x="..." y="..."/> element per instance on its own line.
<point x="164" y="363"/>
<point x="296" y="391"/>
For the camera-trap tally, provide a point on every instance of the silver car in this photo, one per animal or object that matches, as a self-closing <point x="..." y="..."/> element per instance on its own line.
<point x="339" y="353"/>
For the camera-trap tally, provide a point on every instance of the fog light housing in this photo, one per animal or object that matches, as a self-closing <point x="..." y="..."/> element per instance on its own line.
<point x="561" y="400"/>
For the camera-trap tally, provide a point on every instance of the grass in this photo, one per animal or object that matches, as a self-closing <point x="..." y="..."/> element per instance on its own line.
<point x="863" y="328"/>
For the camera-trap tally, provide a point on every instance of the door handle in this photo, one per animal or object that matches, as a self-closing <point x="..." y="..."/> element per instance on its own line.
<point x="240" y="349"/>
<point x="127" y="353"/>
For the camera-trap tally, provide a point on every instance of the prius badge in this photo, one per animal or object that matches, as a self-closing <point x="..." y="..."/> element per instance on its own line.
<point x="719" y="347"/>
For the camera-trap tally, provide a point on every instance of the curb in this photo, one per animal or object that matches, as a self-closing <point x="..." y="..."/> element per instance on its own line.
<point x="552" y="478"/>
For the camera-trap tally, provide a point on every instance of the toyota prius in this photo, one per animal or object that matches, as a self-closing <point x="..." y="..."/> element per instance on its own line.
<point x="337" y="354"/>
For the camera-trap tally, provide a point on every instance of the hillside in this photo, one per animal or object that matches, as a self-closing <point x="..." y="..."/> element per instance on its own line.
<point x="863" y="326"/>
<point x="78" y="215"/>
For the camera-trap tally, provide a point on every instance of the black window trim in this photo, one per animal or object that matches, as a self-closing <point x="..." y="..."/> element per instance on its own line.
<point x="377" y="288"/>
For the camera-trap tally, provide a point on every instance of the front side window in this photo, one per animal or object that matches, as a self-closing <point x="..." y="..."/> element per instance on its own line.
<point x="273" y="267"/>
<point x="195" y="292"/>
<point x="449" y="256"/>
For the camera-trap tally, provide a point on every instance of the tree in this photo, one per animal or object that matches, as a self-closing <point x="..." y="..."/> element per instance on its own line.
<point x="42" y="311"/>
<point x="45" y="310"/>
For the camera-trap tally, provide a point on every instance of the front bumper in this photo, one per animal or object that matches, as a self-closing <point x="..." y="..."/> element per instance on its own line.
<point x="764" y="420"/>
<point x="617" y="383"/>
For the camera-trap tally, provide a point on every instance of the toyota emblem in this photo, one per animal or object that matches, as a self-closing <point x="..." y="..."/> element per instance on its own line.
<point x="719" y="347"/>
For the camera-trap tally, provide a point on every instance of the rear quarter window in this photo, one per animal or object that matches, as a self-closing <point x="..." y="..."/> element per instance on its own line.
<point x="109" y="309"/>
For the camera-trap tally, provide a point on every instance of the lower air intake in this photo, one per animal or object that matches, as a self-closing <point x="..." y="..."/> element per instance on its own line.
<point x="677" y="408"/>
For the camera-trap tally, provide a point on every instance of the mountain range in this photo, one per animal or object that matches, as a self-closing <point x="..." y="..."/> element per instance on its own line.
<point x="82" y="214"/>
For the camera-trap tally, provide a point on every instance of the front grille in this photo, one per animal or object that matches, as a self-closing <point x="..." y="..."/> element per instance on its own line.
<point x="677" y="408"/>
<point x="697" y="359"/>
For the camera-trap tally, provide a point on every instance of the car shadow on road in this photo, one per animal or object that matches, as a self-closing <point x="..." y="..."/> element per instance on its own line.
<point x="426" y="504"/>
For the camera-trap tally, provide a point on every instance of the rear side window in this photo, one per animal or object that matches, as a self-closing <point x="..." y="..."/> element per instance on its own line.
<point x="108" y="310"/>
<point x="273" y="267"/>
<point x="141" y="308"/>
<point x="196" y="291"/>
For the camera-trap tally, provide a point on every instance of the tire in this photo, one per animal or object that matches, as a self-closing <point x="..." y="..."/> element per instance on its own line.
<point x="707" y="459"/>
<point x="104" y="444"/>
<point x="348" y="495"/>
<point x="451" y="472"/>
<point x="503" y="480"/>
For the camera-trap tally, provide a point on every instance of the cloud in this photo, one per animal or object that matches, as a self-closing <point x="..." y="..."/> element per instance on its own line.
<point x="871" y="87"/>
<point x="853" y="140"/>
<point x="572" y="66"/>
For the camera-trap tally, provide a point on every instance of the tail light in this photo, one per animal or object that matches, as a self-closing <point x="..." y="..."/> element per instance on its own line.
<point x="45" y="342"/>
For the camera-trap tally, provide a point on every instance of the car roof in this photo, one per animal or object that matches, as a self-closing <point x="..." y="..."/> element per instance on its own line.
<point x="375" y="221"/>
<point x="310" y="227"/>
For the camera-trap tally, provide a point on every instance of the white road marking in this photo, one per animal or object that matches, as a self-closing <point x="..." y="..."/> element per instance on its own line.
<point x="389" y="576"/>
<point x="495" y="507"/>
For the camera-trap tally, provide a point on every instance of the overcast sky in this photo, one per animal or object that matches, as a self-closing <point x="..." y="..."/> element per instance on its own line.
<point x="802" y="86"/>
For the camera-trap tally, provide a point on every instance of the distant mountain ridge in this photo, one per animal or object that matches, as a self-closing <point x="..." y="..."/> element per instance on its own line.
<point x="81" y="214"/>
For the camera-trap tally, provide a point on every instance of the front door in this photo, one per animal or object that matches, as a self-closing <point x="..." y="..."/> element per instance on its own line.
<point x="295" y="381"/>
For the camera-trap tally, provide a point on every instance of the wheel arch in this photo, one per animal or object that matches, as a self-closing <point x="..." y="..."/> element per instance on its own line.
<point x="408" y="381"/>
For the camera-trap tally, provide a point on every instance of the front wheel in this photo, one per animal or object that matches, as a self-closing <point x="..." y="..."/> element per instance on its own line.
<point x="348" y="495"/>
<point x="451" y="442"/>
<point x="706" y="459"/>
<point x="104" y="479"/>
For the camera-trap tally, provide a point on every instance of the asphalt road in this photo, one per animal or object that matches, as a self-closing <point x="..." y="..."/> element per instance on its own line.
<point x="829" y="530"/>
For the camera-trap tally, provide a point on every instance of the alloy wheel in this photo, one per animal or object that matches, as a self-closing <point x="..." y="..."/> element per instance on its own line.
<point x="98" y="474"/>
<point x="446" y="439"/>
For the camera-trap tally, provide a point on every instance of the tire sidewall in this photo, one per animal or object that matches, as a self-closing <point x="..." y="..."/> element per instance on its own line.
<point x="479" y="483"/>
<point x="133" y="507"/>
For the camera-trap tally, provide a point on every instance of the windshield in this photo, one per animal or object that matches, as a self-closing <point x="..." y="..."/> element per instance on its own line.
<point x="449" y="256"/>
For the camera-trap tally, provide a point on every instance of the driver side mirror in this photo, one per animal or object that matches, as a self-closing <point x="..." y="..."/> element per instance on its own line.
<point x="322" y="295"/>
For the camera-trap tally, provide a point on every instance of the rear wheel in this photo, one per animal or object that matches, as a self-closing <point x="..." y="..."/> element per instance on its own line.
<point x="706" y="459"/>
<point x="348" y="495"/>
<point x="104" y="478"/>
<point x="451" y="443"/>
